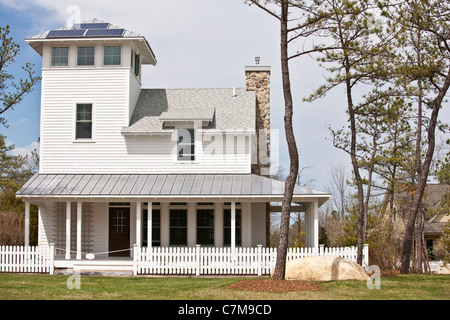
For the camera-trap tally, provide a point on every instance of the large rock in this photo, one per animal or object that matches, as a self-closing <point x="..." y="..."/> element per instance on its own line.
<point x="324" y="268"/>
<point x="443" y="269"/>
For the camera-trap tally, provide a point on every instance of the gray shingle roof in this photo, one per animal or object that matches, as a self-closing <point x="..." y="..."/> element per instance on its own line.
<point x="158" y="185"/>
<point x="219" y="106"/>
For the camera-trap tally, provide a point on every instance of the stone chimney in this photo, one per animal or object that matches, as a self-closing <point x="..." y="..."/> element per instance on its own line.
<point x="257" y="78"/>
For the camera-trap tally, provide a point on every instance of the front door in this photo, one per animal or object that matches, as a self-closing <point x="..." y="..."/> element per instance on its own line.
<point x="119" y="232"/>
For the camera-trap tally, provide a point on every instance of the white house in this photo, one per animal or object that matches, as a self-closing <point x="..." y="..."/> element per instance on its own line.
<point x="123" y="167"/>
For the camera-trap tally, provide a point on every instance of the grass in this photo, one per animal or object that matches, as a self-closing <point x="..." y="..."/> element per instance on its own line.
<point x="46" y="287"/>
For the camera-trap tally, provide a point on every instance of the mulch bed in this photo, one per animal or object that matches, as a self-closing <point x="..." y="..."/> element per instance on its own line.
<point x="271" y="285"/>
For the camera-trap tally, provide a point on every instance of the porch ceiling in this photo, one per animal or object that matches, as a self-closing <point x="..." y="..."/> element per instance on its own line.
<point x="160" y="186"/>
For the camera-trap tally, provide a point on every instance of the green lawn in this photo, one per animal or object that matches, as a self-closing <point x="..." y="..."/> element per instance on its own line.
<point x="46" y="287"/>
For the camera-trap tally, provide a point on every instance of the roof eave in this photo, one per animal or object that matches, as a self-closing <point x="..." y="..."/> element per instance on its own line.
<point x="148" y="57"/>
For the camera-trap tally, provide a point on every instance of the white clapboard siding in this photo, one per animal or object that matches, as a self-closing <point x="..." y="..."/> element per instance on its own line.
<point x="135" y="90"/>
<point x="27" y="259"/>
<point x="224" y="260"/>
<point x="113" y="93"/>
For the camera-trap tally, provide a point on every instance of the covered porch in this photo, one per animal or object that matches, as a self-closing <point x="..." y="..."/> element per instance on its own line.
<point x="105" y="221"/>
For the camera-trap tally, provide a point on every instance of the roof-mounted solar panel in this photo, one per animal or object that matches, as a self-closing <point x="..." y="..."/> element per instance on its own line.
<point x="65" y="33"/>
<point x="94" y="25"/>
<point x="104" y="32"/>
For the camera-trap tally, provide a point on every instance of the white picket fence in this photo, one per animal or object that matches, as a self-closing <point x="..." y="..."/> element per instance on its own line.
<point x="178" y="260"/>
<point x="26" y="259"/>
<point x="224" y="261"/>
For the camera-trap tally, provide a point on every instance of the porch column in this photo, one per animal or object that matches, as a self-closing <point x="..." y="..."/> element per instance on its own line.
<point x="165" y="224"/>
<point x="27" y="223"/>
<point x="79" y="214"/>
<point x="68" y="230"/>
<point x="149" y="224"/>
<point x="312" y="225"/>
<point x="138" y="224"/>
<point x="218" y="224"/>
<point x="233" y="225"/>
<point x="191" y="225"/>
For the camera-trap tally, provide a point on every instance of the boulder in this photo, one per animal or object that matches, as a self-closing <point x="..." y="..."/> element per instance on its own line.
<point x="443" y="269"/>
<point x="324" y="268"/>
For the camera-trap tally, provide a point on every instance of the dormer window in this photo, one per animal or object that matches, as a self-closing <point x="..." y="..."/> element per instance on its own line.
<point x="85" y="56"/>
<point x="186" y="145"/>
<point x="112" y="55"/>
<point x="60" y="56"/>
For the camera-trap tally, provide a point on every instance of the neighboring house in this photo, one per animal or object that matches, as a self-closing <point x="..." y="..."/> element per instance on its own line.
<point x="121" y="165"/>
<point x="434" y="226"/>
<point x="433" y="229"/>
<point x="434" y="219"/>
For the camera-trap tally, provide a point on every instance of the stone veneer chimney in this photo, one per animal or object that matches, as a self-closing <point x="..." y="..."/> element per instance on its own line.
<point x="257" y="78"/>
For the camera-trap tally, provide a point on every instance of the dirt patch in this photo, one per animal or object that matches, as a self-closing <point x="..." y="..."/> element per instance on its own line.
<point x="390" y="273"/>
<point x="271" y="285"/>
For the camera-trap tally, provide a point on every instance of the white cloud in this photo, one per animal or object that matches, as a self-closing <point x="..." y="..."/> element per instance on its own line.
<point x="23" y="151"/>
<point x="20" y="121"/>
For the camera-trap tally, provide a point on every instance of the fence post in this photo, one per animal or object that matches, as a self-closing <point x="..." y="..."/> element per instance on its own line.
<point x="366" y="255"/>
<point x="135" y="259"/>
<point x="321" y="249"/>
<point x="259" y="251"/>
<point x="197" y="257"/>
<point x="52" y="258"/>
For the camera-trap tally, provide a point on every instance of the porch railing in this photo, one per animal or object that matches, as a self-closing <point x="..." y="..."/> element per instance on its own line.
<point x="27" y="259"/>
<point x="213" y="260"/>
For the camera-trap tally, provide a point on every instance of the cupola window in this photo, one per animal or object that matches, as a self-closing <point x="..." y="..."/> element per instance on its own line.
<point x="60" y="56"/>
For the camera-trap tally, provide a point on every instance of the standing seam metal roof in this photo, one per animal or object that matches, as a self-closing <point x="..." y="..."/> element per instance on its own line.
<point x="122" y="185"/>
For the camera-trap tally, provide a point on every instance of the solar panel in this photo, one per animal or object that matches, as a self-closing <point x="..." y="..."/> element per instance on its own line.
<point x="104" y="32"/>
<point x="65" y="33"/>
<point x="94" y="25"/>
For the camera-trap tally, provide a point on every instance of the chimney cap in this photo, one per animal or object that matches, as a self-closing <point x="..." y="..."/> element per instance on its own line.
<point x="257" y="69"/>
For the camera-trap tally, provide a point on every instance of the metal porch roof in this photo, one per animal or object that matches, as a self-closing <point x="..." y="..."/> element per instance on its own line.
<point x="159" y="186"/>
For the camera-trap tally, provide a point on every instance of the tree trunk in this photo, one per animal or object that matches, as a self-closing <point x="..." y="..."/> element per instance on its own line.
<point x="280" y="266"/>
<point x="359" y="184"/>
<point x="422" y="178"/>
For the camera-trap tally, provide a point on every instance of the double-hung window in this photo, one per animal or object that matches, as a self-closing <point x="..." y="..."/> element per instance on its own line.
<point x="178" y="227"/>
<point x="85" y="56"/>
<point x="205" y="226"/>
<point x="186" y="145"/>
<point x="60" y="56"/>
<point x="112" y="55"/>
<point x="83" y="127"/>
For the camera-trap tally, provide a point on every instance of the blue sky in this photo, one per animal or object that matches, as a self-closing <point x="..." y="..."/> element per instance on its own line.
<point x="198" y="43"/>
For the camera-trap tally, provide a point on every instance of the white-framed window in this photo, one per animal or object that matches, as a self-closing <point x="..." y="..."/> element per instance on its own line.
<point x="186" y="145"/>
<point x="60" y="57"/>
<point x="83" y="122"/>
<point x="112" y="55"/>
<point x="205" y="226"/>
<point x="86" y="56"/>
<point x="178" y="227"/>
